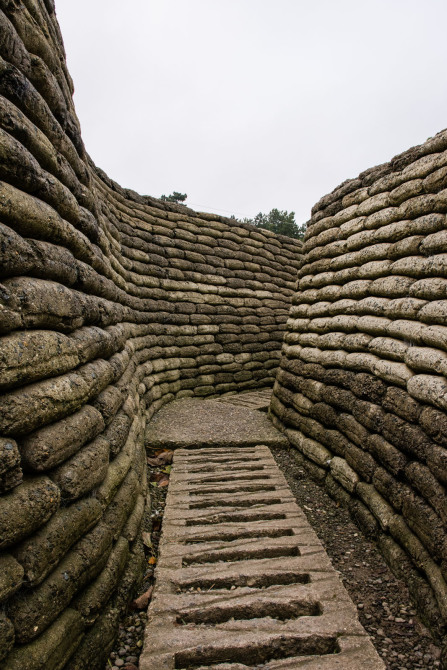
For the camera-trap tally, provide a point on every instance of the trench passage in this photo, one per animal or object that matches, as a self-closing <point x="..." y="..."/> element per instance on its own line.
<point x="242" y="580"/>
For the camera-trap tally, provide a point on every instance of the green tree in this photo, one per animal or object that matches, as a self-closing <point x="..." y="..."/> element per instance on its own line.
<point x="174" y="197"/>
<point x="279" y="222"/>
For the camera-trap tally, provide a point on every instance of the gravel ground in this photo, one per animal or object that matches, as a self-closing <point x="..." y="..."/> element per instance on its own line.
<point x="383" y="602"/>
<point x="126" y="654"/>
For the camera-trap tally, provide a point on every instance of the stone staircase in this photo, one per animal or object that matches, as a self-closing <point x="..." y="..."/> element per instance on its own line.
<point x="242" y="581"/>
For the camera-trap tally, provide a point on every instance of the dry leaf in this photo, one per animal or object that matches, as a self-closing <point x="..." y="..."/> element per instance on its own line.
<point x="166" y="456"/>
<point x="161" y="458"/>
<point x="152" y="560"/>
<point x="154" y="462"/>
<point x="147" y="540"/>
<point x="164" y="481"/>
<point x="143" y="601"/>
<point x="157" y="476"/>
<point x="156" y="524"/>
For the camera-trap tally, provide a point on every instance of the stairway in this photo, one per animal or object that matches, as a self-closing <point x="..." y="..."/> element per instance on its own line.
<point x="242" y="580"/>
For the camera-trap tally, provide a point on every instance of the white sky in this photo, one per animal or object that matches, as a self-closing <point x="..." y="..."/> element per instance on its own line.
<point x="246" y="105"/>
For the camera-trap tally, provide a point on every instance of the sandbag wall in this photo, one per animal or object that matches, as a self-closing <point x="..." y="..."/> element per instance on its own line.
<point x="362" y="389"/>
<point x="111" y="304"/>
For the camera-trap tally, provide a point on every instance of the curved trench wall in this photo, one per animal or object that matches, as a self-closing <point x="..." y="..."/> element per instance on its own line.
<point x="362" y="389"/>
<point x="111" y="304"/>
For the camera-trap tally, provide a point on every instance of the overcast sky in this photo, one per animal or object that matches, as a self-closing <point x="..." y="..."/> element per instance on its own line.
<point x="246" y="105"/>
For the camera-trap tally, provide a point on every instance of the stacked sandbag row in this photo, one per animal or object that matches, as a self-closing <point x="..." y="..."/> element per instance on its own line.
<point x="216" y="293"/>
<point x="362" y="389"/>
<point x="110" y="305"/>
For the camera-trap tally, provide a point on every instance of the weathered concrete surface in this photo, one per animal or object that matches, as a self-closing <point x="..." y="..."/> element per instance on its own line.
<point x="193" y="422"/>
<point x="259" y="399"/>
<point x="242" y="578"/>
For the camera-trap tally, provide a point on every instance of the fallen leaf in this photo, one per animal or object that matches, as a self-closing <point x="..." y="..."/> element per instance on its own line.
<point x="161" y="458"/>
<point x="152" y="560"/>
<point x="155" y="462"/>
<point x="157" y="476"/>
<point x="143" y="601"/>
<point x="167" y="469"/>
<point x="164" y="481"/>
<point x="166" y="456"/>
<point x="147" y="539"/>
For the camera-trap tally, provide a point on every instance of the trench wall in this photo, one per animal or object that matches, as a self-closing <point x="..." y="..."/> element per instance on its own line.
<point x="362" y="389"/>
<point x="111" y="304"/>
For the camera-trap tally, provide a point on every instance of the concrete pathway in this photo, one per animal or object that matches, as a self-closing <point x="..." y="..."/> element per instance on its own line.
<point x="242" y="580"/>
<point x="194" y="423"/>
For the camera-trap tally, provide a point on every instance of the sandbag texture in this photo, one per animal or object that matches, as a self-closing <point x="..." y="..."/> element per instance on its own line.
<point x="362" y="391"/>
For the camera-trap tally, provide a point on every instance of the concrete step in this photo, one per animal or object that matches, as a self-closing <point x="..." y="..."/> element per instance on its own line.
<point x="243" y="581"/>
<point x="257" y="400"/>
<point x="194" y="423"/>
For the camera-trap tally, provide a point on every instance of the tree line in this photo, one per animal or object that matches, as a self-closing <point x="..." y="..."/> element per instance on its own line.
<point x="278" y="221"/>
